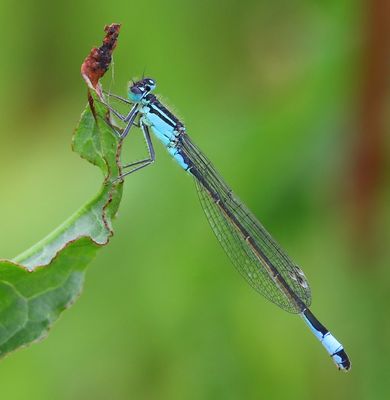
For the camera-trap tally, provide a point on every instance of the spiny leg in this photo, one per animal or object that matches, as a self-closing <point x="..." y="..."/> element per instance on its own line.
<point x="129" y="119"/>
<point x="129" y="115"/>
<point x="124" y="118"/>
<point x="115" y="96"/>
<point x="117" y="130"/>
<point x="147" y="161"/>
<point x="116" y="113"/>
<point x="151" y="152"/>
<point x="150" y="147"/>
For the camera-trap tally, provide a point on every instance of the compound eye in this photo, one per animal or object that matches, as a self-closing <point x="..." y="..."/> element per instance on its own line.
<point x="136" y="90"/>
<point x="151" y="83"/>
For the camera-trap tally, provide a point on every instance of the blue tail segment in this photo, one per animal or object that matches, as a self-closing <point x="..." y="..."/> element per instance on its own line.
<point x="332" y="346"/>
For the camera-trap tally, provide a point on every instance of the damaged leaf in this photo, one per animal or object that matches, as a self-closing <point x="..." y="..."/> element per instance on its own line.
<point x="37" y="285"/>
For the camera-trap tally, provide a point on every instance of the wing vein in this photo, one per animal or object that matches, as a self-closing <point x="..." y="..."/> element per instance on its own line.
<point x="241" y="234"/>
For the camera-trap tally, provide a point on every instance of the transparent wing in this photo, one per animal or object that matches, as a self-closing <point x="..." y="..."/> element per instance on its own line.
<point x="218" y="203"/>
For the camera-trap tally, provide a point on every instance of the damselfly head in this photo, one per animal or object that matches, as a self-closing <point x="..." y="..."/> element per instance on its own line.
<point x="138" y="90"/>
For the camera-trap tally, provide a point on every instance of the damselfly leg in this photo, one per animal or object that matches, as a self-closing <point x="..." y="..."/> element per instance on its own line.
<point x="129" y="119"/>
<point x="142" y="163"/>
<point x="115" y="96"/>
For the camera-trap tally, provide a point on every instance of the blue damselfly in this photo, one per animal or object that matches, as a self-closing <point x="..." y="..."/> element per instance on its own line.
<point x="255" y="254"/>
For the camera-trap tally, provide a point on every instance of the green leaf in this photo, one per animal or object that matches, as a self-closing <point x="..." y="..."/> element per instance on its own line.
<point x="36" y="286"/>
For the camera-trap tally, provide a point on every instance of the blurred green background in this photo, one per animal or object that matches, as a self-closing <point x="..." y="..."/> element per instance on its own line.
<point x="290" y="101"/>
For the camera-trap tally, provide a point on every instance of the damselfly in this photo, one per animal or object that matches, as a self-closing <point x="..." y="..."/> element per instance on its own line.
<point x="250" y="247"/>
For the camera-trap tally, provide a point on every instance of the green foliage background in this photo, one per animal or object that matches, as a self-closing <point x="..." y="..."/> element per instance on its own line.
<point x="268" y="91"/>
